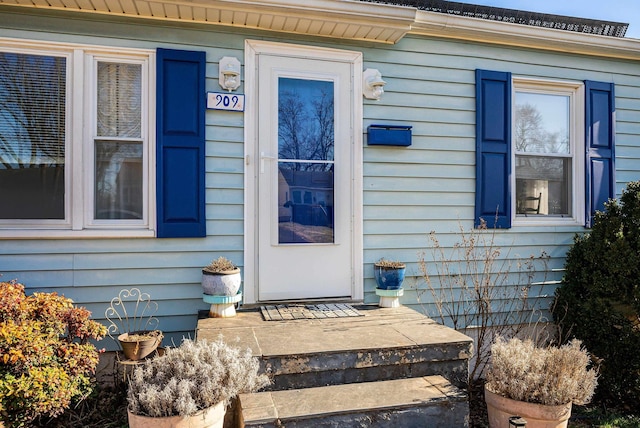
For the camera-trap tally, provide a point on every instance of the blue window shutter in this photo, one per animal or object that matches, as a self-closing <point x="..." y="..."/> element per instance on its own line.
<point x="600" y="146"/>
<point x="180" y="151"/>
<point x="493" y="148"/>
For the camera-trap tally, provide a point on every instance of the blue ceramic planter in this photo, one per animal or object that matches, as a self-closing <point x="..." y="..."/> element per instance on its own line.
<point x="388" y="278"/>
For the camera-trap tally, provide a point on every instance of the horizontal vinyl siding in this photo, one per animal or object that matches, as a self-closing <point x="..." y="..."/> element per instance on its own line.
<point x="407" y="191"/>
<point x="430" y="185"/>
<point x="93" y="271"/>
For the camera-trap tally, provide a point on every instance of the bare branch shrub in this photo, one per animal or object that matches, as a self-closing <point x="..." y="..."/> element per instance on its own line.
<point x="477" y="289"/>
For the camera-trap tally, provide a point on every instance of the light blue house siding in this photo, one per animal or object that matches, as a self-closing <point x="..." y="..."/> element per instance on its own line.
<point x="407" y="191"/>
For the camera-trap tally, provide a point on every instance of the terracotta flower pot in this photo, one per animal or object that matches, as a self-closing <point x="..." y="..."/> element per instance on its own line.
<point x="500" y="409"/>
<point x="212" y="417"/>
<point x="139" y="344"/>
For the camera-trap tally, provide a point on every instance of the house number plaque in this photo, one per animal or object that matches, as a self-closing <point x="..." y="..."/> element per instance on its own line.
<point x="225" y="101"/>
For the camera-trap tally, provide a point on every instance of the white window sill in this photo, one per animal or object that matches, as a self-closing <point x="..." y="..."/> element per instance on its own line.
<point x="75" y="234"/>
<point x="547" y="222"/>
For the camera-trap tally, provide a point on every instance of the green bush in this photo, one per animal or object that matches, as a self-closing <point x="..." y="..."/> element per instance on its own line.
<point x="45" y="358"/>
<point x="599" y="299"/>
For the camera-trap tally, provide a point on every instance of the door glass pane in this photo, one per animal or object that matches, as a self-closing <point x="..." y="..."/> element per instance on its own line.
<point x="32" y="136"/>
<point x="305" y="161"/>
<point x="118" y="180"/>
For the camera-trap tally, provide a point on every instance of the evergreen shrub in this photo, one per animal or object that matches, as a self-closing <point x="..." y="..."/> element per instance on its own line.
<point x="599" y="299"/>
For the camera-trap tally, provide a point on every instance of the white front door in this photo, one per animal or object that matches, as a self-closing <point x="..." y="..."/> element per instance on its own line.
<point x="304" y="145"/>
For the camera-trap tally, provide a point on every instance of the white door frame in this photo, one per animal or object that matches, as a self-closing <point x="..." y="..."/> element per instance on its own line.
<point x="253" y="48"/>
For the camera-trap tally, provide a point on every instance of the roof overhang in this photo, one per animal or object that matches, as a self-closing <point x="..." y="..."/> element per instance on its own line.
<point x="505" y="33"/>
<point x="346" y="19"/>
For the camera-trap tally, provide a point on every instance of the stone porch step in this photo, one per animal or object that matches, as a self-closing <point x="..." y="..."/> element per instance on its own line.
<point x="429" y="401"/>
<point x="384" y="344"/>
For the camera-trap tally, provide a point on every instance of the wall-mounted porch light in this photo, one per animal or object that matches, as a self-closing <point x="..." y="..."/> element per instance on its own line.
<point x="372" y="84"/>
<point x="229" y="75"/>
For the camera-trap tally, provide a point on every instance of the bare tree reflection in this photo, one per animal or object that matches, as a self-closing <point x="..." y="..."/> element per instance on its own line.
<point x="32" y="135"/>
<point x="306" y="161"/>
<point x="542" y="167"/>
<point x="306" y="127"/>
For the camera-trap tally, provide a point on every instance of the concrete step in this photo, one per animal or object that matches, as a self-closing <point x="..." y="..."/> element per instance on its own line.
<point x="429" y="401"/>
<point x="383" y="344"/>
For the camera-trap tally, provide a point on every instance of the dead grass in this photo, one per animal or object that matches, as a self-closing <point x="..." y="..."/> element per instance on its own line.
<point x="106" y="407"/>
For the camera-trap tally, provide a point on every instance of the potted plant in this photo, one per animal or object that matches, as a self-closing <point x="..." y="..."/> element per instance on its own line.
<point x="221" y="278"/>
<point x="538" y="384"/>
<point x="389" y="274"/>
<point x="191" y="385"/>
<point x="137" y="345"/>
<point x="131" y="317"/>
<point x="220" y="286"/>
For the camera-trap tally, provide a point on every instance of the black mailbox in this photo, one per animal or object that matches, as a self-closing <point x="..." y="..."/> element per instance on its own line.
<point x="389" y="135"/>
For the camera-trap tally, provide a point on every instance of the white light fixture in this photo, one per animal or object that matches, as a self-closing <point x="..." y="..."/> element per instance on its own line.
<point x="229" y="75"/>
<point x="372" y="84"/>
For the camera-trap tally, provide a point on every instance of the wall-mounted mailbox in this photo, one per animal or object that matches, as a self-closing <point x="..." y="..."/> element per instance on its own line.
<point x="389" y="135"/>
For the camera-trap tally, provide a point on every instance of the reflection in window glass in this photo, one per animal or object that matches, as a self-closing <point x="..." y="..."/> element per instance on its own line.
<point x="542" y="123"/>
<point x="32" y="136"/>
<point x="543" y="158"/>
<point x="119" y="172"/>
<point x="306" y="161"/>
<point x="119" y="100"/>
<point x="308" y="219"/>
<point x="305" y="119"/>
<point x="118" y="191"/>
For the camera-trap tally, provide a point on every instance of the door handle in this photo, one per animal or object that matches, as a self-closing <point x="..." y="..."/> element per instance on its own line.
<point x="263" y="156"/>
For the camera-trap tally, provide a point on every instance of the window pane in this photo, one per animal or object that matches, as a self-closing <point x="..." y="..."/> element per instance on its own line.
<point x="118" y="187"/>
<point x="305" y="133"/>
<point x="305" y="203"/>
<point x="542" y="123"/>
<point x="305" y="119"/>
<point x="543" y="186"/>
<point x="119" y="100"/>
<point x="32" y="136"/>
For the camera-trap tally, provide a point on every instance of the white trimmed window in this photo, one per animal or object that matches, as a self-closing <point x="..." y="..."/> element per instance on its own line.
<point x="75" y="141"/>
<point x="548" y="155"/>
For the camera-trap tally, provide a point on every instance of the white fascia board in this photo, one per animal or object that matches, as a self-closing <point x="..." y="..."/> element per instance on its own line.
<point x="374" y="21"/>
<point x="345" y="19"/>
<point x="509" y="34"/>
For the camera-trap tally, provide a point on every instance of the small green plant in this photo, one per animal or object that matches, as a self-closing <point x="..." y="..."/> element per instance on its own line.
<point x="192" y="377"/>
<point x="220" y="265"/>
<point x="46" y="361"/>
<point x="598" y="301"/>
<point x="545" y="375"/>
<point x="389" y="264"/>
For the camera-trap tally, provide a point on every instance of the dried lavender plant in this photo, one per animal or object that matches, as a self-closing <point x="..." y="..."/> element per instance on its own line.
<point x="546" y="375"/>
<point x="192" y="377"/>
<point x="220" y="265"/>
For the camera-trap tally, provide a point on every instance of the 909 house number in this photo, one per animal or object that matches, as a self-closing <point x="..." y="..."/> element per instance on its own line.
<point x="225" y="101"/>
